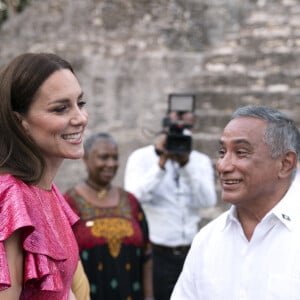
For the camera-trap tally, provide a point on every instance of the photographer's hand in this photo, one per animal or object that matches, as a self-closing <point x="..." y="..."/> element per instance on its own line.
<point x="162" y="160"/>
<point x="160" y="149"/>
<point x="164" y="155"/>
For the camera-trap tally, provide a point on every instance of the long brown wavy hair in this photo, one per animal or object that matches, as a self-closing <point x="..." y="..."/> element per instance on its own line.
<point x="19" y="82"/>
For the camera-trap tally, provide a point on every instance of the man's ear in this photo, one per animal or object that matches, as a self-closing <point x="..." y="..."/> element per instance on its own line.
<point x="22" y="121"/>
<point x="288" y="163"/>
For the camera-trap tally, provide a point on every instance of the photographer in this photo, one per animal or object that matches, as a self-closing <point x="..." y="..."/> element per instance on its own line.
<point x="172" y="187"/>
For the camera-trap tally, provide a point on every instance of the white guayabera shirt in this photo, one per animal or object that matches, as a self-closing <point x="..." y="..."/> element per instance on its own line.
<point x="171" y="198"/>
<point x="223" y="265"/>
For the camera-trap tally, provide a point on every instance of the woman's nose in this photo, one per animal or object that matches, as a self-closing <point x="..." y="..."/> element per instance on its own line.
<point x="80" y="117"/>
<point x="113" y="162"/>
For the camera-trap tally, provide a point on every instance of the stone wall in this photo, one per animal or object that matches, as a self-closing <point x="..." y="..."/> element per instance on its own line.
<point x="130" y="54"/>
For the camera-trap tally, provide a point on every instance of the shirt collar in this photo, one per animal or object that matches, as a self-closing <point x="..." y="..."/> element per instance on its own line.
<point x="287" y="211"/>
<point x="231" y="217"/>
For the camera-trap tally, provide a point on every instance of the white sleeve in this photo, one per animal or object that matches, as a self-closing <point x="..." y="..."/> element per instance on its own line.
<point x="139" y="180"/>
<point x="199" y="175"/>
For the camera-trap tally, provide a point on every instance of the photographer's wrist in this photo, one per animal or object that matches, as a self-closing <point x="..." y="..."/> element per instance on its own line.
<point x="162" y="161"/>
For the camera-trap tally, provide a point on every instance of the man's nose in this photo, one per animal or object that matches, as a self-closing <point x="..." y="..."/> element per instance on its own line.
<point x="225" y="163"/>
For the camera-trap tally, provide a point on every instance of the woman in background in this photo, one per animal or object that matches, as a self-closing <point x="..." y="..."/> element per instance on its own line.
<point x="112" y="233"/>
<point x="42" y="122"/>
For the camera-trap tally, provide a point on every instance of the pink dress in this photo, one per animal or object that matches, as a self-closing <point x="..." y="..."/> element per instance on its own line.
<point x="50" y="248"/>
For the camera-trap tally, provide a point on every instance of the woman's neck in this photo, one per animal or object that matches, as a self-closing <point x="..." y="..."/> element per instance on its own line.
<point x="97" y="186"/>
<point x="102" y="191"/>
<point x="48" y="176"/>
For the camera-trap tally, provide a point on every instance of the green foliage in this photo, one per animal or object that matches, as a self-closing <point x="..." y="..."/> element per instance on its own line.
<point x="16" y="6"/>
<point x="3" y="12"/>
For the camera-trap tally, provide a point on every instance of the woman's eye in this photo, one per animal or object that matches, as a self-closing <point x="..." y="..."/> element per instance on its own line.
<point x="103" y="157"/>
<point x="60" y="109"/>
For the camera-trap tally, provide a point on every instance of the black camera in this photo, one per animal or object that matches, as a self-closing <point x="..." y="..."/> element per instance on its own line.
<point x="178" y="140"/>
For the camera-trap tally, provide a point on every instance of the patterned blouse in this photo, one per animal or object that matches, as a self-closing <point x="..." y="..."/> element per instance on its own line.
<point x="114" y="244"/>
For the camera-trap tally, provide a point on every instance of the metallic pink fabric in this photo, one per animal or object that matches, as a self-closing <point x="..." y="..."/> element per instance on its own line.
<point x="51" y="252"/>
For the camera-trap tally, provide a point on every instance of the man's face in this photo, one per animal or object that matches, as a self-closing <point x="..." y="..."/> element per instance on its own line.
<point x="248" y="174"/>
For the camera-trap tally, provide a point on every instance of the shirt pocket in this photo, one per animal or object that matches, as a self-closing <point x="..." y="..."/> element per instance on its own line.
<point x="283" y="288"/>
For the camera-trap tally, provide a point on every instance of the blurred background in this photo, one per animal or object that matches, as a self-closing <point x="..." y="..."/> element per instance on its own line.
<point x="130" y="54"/>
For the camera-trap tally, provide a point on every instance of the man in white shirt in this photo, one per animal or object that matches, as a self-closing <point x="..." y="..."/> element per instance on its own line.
<point x="251" y="251"/>
<point x="172" y="188"/>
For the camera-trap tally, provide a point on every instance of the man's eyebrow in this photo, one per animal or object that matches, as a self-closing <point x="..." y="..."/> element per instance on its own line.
<point x="236" y="142"/>
<point x="80" y="95"/>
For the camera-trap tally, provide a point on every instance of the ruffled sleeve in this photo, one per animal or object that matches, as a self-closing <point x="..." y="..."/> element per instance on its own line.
<point x="11" y="219"/>
<point x="48" y="240"/>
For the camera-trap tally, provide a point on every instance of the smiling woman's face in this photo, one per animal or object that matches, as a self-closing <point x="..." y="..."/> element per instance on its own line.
<point x="57" y="118"/>
<point x="102" y="162"/>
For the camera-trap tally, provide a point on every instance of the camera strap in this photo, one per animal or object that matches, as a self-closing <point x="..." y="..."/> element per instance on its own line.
<point x="176" y="173"/>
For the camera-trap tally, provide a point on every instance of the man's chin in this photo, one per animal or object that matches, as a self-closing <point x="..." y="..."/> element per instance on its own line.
<point x="229" y="198"/>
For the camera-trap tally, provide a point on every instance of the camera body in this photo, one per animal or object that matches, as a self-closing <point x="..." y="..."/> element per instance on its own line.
<point x="179" y="140"/>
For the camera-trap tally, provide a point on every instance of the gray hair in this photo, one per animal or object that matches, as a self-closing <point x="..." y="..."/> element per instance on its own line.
<point x="92" y="139"/>
<point x="281" y="134"/>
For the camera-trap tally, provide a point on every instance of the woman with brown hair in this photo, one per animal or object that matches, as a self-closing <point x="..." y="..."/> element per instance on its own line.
<point x="42" y="122"/>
